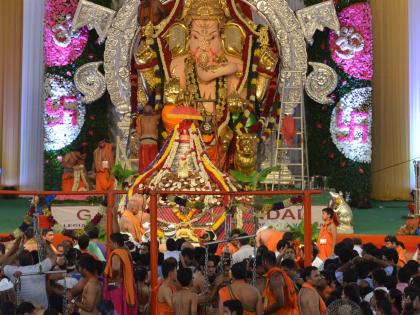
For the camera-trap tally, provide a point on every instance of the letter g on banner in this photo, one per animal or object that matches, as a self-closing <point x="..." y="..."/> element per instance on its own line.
<point x="83" y="214"/>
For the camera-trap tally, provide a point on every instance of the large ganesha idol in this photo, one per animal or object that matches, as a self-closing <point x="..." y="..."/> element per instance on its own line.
<point x="210" y="55"/>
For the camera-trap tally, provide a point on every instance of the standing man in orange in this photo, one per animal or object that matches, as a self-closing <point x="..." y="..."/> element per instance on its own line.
<point x="328" y="234"/>
<point x="103" y="161"/>
<point x="119" y="285"/>
<point x="279" y="295"/>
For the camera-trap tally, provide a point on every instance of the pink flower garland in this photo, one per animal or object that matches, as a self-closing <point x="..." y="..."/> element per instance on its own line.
<point x="61" y="46"/>
<point x="359" y="63"/>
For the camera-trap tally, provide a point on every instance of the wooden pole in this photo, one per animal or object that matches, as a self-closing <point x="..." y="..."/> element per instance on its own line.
<point x="307" y="219"/>
<point x="110" y="200"/>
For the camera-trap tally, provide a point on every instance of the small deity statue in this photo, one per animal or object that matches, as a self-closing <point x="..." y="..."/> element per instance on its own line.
<point x="223" y="63"/>
<point x="343" y="211"/>
<point x="147" y="129"/>
<point x="74" y="176"/>
<point x="103" y="161"/>
<point x="246" y="153"/>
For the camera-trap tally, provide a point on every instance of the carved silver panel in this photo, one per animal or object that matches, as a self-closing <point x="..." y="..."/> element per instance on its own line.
<point x="90" y="82"/>
<point x="93" y="16"/>
<point x="117" y="58"/>
<point x="317" y="17"/>
<point x="321" y="82"/>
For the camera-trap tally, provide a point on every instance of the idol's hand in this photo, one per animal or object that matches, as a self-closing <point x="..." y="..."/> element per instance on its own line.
<point x="212" y="73"/>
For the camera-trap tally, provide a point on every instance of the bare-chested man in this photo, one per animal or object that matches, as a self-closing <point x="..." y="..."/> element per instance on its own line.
<point x="310" y="302"/>
<point x="208" y="300"/>
<point x="268" y="237"/>
<point x="74" y="176"/>
<point x="130" y="221"/>
<point x="167" y="287"/>
<point x="92" y="292"/>
<point x="185" y="300"/>
<point x="147" y="128"/>
<point x="280" y="297"/>
<point x="247" y="294"/>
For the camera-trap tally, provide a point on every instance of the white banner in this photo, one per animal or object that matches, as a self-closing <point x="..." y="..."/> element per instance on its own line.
<point x="74" y="217"/>
<point x="279" y="219"/>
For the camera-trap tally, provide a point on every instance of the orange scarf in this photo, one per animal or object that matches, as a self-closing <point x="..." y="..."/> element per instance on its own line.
<point x="127" y="275"/>
<point x="289" y="291"/>
<point x="137" y="225"/>
<point x="322" y="305"/>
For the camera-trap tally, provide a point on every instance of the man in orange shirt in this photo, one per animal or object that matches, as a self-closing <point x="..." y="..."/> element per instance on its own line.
<point x="279" y="295"/>
<point x="103" y="161"/>
<point x="233" y="246"/>
<point x="310" y="302"/>
<point x="328" y="234"/>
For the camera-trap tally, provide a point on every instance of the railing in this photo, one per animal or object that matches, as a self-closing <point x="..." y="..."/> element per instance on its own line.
<point x="154" y="194"/>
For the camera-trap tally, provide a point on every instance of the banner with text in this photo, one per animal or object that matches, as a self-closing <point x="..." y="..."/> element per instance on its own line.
<point x="74" y="217"/>
<point x="279" y="219"/>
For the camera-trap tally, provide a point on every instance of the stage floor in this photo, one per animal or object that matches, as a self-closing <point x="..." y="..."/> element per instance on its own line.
<point x="384" y="218"/>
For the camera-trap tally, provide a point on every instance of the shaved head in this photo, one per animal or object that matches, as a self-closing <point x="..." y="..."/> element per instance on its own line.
<point x="136" y="203"/>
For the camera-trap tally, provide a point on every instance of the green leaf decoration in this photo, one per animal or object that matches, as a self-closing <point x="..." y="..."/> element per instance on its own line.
<point x="262" y="175"/>
<point x="121" y="174"/>
<point x="241" y="177"/>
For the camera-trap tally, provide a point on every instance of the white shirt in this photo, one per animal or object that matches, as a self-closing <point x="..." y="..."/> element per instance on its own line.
<point x="358" y="249"/>
<point x="243" y="252"/>
<point x="70" y="282"/>
<point x="33" y="288"/>
<point x="369" y="296"/>
<point x="318" y="262"/>
<point x="172" y="254"/>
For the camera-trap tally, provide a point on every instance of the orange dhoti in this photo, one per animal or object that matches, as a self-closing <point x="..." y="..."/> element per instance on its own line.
<point x="104" y="181"/>
<point x="67" y="183"/>
<point x="147" y="153"/>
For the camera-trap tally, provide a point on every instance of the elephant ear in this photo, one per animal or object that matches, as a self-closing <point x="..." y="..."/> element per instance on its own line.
<point x="333" y="194"/>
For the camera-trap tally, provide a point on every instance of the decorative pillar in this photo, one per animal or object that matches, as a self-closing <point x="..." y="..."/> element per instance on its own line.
<point x="31" y="140"/>
<point x="10" y="83"/>
<point x="414" y="82"/>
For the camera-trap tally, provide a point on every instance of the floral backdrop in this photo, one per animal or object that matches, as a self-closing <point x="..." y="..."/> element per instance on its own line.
<point x="68" y="124"/>
<point x="339" y="135"/>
